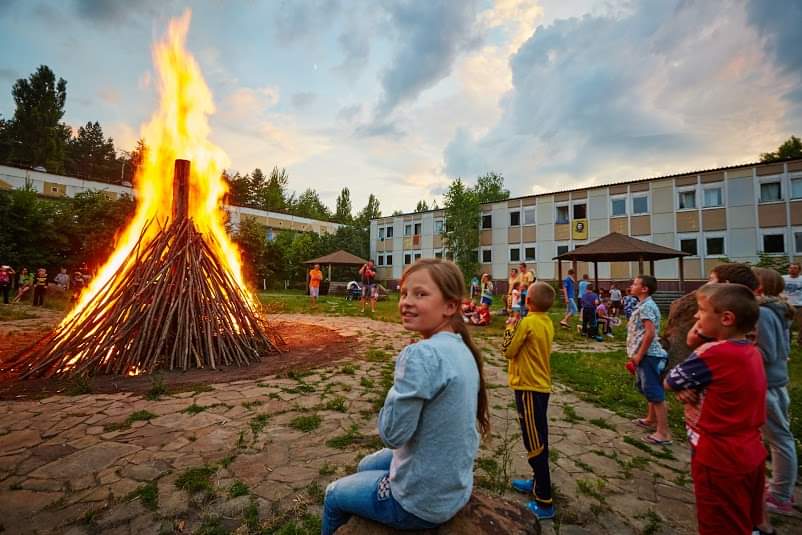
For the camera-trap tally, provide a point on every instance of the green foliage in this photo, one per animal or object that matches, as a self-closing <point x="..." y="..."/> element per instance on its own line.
<point x="338" y="404"/>
<point x="776" y="262"/>
<point x="237" y="489"/>
<point x="148" y="494"/>
<point x="490" y="188"/>
<point x="315" y="492"/>
<point x="258" y="423"/>
<point x="157" y="388"/>
<point x="343" y="208"/>
<point x="195" y="409"/>
<point x="343" y="441"/>
<point x="90" y="155"/>
<point x="197" y="479"/>
<point x="422" y="206"/>
<point x="461" y="231"/>
<point x="790" y="148"/>
<point x="306" y="423"/>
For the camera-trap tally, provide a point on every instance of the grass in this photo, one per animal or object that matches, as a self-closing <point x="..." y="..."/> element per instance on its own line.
<point x="258" y="423"/>
<point x="138" y="416"/>
<point x="198" y="479"/>
<point x="237" y="489"/>
<point x="327" y="469"/>
<point x="348" y="369"/>
<point x="16" y="313"/>
<point x="338" y="404"/>
<point x="148" y="494"/>
<point x="315" y="492"/>
<point x="570" y="415"/>
<point x="79" y="385"/>
<point x="306" y="423"/>
<point x="343" y="441"/>
<point x="157" y="388"/>
<point x="195" y="409"/>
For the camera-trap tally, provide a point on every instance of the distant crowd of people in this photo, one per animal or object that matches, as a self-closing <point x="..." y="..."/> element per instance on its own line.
<point x="22" y="284"/>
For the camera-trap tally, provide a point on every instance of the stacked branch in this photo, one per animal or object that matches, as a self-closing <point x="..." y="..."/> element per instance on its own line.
<point x="172" y="306"/>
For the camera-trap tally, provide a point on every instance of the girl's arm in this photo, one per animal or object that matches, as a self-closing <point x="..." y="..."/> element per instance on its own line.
<point x="414" y="383"/>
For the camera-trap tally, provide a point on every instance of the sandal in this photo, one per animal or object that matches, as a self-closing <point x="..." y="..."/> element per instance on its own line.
<point x="564" y="324"/>
<point x="640" y="422"/>
<point x="654" y="441"/>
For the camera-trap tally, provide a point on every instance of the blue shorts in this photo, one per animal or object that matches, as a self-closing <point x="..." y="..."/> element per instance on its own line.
<point x="649" y="378"/>
<point x="570" y="306"/>
<point x="487" y="300"/>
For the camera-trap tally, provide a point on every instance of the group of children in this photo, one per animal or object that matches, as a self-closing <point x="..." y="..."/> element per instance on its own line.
<point x="37" y="284"/>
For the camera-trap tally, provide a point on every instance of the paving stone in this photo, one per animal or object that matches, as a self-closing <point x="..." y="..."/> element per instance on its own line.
<point x="75" y="465"/>
<point x="16" y="441"/>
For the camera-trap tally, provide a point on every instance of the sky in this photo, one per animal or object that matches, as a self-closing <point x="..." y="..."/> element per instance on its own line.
<point x="398" y="97"/>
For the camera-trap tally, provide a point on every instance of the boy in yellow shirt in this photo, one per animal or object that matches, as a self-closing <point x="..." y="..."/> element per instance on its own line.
<point x="528" y="349"/>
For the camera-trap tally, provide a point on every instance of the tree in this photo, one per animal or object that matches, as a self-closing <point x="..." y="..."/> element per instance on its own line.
<point x="343" y="211"/>
<point x="239" y="188"/>
<point x="370" y="211"/>
<point x="422" y="207"/>
<point x="274" y="195"/>
<point x="90" y="155"/>
<point x="251" y="237"/>
<point x="257" y="183"/>
<point x="309" y="205"/>
<point x="791" y="148"/>
<point x="490" y="188"/>
<point x="37" y="135"/>
<point x="461" y="231"/>
<point x="133" y="160"/>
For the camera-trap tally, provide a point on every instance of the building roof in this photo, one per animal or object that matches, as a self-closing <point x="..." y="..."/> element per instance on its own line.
<point x="616" y="247"/>
<point x="338" y="257"/>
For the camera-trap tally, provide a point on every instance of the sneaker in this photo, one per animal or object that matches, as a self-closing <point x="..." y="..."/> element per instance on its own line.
<point x="523" y="485"/>
<point x="611" y="335"/>
<point x="542" y="512"/>
<point x="775" y="505"/>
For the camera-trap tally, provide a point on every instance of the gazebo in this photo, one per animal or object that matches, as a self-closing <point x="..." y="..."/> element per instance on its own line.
<point x="616" y="247"/>
<point x="337" y="258"/>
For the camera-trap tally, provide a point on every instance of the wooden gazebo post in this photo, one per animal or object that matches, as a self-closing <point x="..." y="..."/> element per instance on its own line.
<point x="651" y="268"/>
<point x="640" y="265"/>
<point x="596" y="277"/>
<point x="681" y="275"/>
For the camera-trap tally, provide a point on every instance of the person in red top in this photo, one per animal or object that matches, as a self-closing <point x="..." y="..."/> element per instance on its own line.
<point x="723" y="386"/>
<point x="482" y="316"/>
<point x="315" y="276"/>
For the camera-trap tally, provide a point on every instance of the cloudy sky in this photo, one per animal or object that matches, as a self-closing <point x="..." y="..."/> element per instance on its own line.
<point x="398" y="97"/>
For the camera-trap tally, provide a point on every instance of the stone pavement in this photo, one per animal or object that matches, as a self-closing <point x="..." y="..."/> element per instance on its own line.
<point x="258" y="453"/>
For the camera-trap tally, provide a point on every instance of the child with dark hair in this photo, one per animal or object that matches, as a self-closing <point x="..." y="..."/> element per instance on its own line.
<point x="723" y="387"/>
<point x="588" y="303"/>
<point x="648" y="359"/>
<point x="528" y="350"/>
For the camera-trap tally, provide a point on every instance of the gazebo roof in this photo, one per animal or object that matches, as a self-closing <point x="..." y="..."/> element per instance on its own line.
<point x="616" y="247"/>
<point x="338" y="257"/>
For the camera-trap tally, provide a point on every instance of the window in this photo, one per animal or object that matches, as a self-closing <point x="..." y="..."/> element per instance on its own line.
<point x="687" y="199"/>
<point x="380" y="259"/>
<point x="796" y="188"/>
<point x="438" y="254"/>
<point x="770" y="192"/>
<point x="389" y="260"/>
<point x="773" y="243"/>
<point x="618" y="207"/>
<point x="408" y="229"/>
<point x="798" y="241"/>
<point x="438" y="227"/>
<point x="529" y="253"/>
<point x="389" y="232"/>
<point x="713" y="197"/>
<point x="381" y="233"/>
<point x="487" y="221"/>
<point x="487" y="256"/>
<point x="417" y="256"/>
<point x="562" y="215"/>
<point x="562" y="249"/>
<point x="640" y="204"/>
<point x="407" y="258"/>
<point x="515" y="254"/>
<point x="529" y="216"/>
<point x="515" y="218"/>
<point x="688" y="245"/>
<point x="417" y="229"/>
<point x="580" y="211"/>
<point x="714" y="246"/>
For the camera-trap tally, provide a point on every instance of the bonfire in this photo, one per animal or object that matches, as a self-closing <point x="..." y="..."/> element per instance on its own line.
<point x="172" y="294"/>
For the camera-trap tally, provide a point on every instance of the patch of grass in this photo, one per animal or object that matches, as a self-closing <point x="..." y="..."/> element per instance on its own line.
<point x="554" y="455"/>
<point x="592" y="487"/>
<point x="211" y="525"/>
<point x="251" y="404"/>
<point x="601" y="422"/>
<point x="343" y="441"/>
<point x="348" y="369"/>
<point x="258" y="423"/>
<point x="195" y="409"/>
<point x="148" y="494"/>
<point x="298" y="375"/>
<point x="306" y="423"/>
<point x="376" y="355"/>
<point x="79" y="385"/>
<point x="366" y="382"/>
<point x="157" y="388"/>
<point x="301" y="388"/>
<point x="197" y="479"/>
<point x="315" y="492"/>
<point x="251" y="517"/>
<point x="327" y="469"/>
<point x="226" y="461"/>
<point x="570" y="415"/>
<point x="138" y="416"/>
<point x="14" y="313"/>
<point x="237" y="489"/>
<point x="653" y="522"/>
<point x="338" y="404"/>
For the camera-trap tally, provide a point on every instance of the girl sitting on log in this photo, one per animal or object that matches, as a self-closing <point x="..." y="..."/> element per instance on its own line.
<point x="431" y="417"/>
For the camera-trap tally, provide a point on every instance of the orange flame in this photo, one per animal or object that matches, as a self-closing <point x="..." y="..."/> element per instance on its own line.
<point x="178" y="129"/>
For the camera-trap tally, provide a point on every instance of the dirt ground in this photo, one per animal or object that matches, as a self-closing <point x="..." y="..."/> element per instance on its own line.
<point x="308" y="347"/>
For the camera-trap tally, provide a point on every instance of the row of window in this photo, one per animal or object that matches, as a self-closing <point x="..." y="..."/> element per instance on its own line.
<point x="714" y="246"/>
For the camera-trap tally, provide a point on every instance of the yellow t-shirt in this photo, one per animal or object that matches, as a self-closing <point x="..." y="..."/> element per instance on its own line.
<point x="528" y="349"/>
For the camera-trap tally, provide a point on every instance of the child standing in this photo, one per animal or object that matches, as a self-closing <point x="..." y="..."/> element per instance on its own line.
<point x="515" y="304"/>
<point x="39" y="287"/>
<point x="649" y="359"/>
<point x="588" y="303"/>
<point x="528" y="349"/>
<point x="487" y="290"/>
<point x="430" y="416"/>
<point x="723" y="386"/>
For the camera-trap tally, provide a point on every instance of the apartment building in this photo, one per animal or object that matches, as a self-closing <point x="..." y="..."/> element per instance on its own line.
<point x="726" y="214"/>
<point x="51" y="185"/>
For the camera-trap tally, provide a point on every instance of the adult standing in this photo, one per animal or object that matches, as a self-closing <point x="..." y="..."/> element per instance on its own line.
<point x="793" y="292"/>
<point x="526" y="278"/>
<point x="487" y="290"/>
<point x="315" y="276"/>
<point x="569" y="293"/>
<point x="511" y="280"/>
<point x="6" y="276"/>
<point x="368" y="275"/>
<point x="615" y="300"/>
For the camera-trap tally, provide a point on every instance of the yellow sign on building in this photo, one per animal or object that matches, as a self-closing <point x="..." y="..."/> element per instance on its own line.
<point x="579" y="229"/>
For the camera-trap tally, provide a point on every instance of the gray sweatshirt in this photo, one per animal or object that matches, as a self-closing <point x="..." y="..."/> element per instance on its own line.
<point x="773" y="340"/>
<point x="429" y="421"/>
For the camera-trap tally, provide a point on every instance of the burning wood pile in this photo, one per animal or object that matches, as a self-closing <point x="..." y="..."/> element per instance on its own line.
<point x="172" y="295"/>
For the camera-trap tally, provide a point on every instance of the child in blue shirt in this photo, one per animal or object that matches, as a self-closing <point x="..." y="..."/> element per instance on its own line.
<point x="438" y="397"/>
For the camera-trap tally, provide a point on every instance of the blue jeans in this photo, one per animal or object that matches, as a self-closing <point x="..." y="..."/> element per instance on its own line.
<point x="781" y="443"/>
<point x="367" y="494"/>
